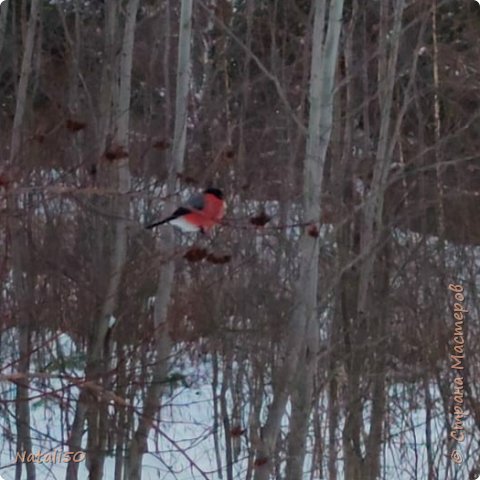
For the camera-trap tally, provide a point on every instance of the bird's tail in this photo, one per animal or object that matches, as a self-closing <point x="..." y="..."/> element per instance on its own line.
<point x="161" y="222"/>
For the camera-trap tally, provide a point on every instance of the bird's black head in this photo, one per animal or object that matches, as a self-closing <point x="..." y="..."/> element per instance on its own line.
<point x="216" y="192"/>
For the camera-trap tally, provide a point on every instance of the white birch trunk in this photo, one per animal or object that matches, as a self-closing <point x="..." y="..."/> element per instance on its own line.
<point x="374" y="204"/>
<point x="322" y="76"/>
<point x="373" y="232"/>
<point x="121" y="177"/>
<point x="182" y="92"/>
<point x="321" y="88"/>
<point x="109" y="74"/>
<point x="163" y="341"/>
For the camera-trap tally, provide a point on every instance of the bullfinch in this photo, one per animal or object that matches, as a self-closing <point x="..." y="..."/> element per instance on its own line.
<point x="202" y="212"/>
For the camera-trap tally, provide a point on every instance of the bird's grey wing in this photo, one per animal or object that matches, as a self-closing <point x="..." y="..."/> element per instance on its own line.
<point x="196" y="201"/>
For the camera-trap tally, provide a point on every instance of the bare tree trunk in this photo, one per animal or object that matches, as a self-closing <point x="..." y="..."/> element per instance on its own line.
<point x="379" y="325"/>
<point x="374" y="204"/>
<point x="301" y="408"/>
<point x="318" y="139"/>
<point x="216" y="416"/>
<point x="76" y="434"/>
<point x="438" y="129"/>
<point x="341" y="179"/>
<point x="121" y="432"/>
<point x="103" y="127"/>
<point x="119" y="178"/>
<point x="356" y="465"/>
<point x="163" y="340"/>
<point x="3" y="23"/>
<point x="25" y="74"/>
<point x="428" y="429"/>
<point x="109" y="73"/>
<point x="23" y="290"/>
<point x="22" y="406"/>
<point x="121" y="181"/>
<point x="304" y="320"/>
<point x="107" y="88"/>
<point x="182" y="92"/>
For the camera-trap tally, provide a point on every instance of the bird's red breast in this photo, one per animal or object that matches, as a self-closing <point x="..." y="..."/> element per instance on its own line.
<point x="210" y="215"/>
<point x="199" y="219"/>
<point x="214" y="208"/>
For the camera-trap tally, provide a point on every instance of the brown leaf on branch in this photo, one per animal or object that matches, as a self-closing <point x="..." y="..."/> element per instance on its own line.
<point x="115" y="152"/>
<point x="162" y="144"/>
<point x="218" y="259"/>
<point x="4" y="180"/>
<point x="312" y="230"/>
<point x="195" y="254"/>
<point x="237" y="431"/>
<point x="229" y="153"/>
<point x="260" y="461"/>
<point x="260" y="220"/>
<point x="187" y="179"/>
<point x="74" y="125"/>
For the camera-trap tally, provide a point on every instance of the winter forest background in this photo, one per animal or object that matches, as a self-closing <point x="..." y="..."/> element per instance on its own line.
<point x="309" y="336"/>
